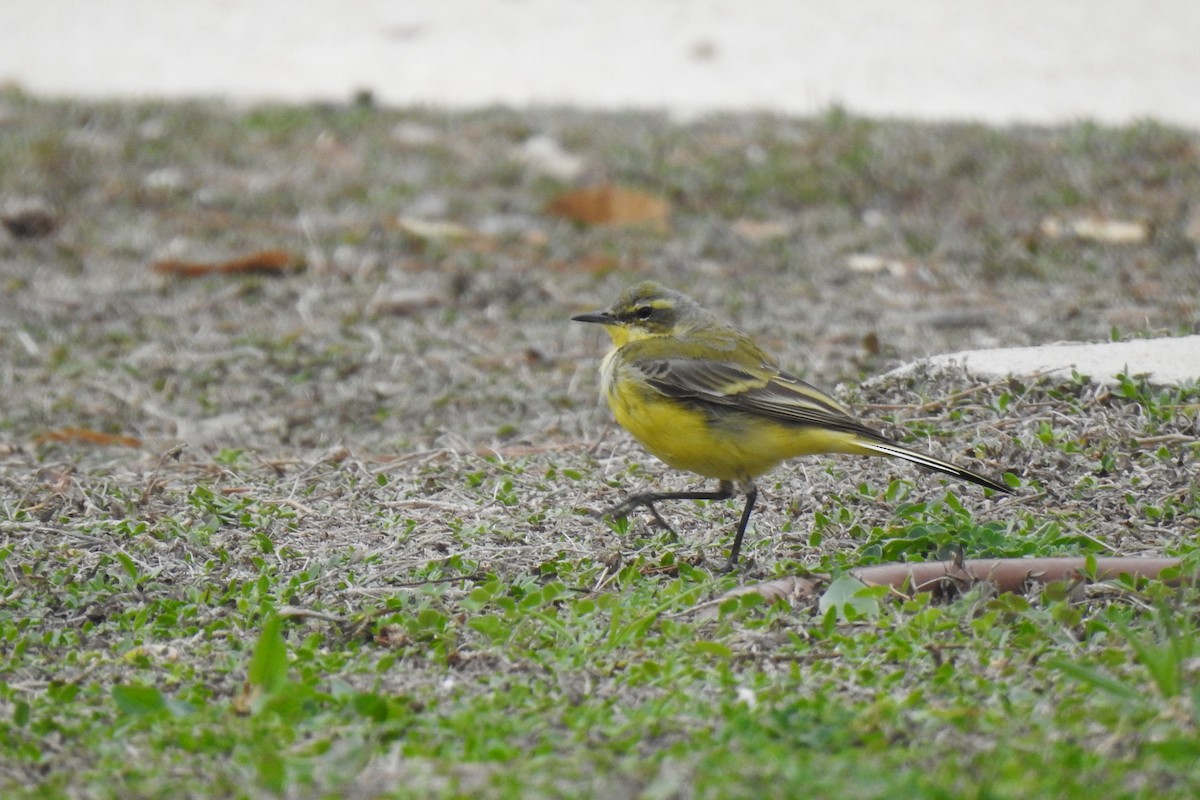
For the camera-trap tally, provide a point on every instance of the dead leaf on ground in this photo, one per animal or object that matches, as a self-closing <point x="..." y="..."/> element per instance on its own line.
<point x="243" y="701"/>
<point x="405" y="301"/>
<point x="29" y="219"/>
<point x="432" y="230"/>
<point x="264" y="262"/>
<point x="870" y="264"/>
<point x="870" y="344"/>
<point x="753" y="230"/>
<point x="87" y="436"/>
<point x="1097" y="229"/>
<point x="611" y="205"/>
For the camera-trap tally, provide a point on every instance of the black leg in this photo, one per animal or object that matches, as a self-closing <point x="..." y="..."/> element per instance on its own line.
<point x="751" y="496"/>
<point x="723" y="492"/>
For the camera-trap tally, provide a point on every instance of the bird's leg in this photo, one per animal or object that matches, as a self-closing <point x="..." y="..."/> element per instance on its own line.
<point x="751" y="496"/>
<point x="724" y="491"/>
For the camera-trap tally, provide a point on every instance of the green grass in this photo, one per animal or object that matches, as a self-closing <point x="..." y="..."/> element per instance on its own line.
<point x="203" y="642"/>
<point x="538" y="687"/>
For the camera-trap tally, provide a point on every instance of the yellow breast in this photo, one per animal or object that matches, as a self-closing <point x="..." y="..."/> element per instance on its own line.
<point x="725" y="444"/>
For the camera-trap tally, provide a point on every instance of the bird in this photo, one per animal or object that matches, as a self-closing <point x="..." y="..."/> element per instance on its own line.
<point x="703" y="397"/>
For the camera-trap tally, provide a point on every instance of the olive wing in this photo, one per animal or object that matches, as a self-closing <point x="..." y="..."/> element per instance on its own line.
<point x="763" y="391"/>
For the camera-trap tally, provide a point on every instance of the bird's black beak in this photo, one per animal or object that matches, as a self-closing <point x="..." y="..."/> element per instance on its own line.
<point x="602" y="317"/>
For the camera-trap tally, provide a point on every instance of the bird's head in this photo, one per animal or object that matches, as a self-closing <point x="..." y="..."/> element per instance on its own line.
<point x="645" y="310"/>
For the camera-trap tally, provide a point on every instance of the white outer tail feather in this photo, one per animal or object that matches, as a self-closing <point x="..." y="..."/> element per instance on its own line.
<point x="917" y="457"/>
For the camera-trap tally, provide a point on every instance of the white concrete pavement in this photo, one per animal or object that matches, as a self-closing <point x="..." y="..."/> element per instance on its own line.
<point x="1161" y="361"/>
<point x="1016" y="61"/>
<point x="1020" y="61"/>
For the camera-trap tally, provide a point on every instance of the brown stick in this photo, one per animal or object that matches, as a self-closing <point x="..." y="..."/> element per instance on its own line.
<point x="1006" y="574"/>
<point x="942" y="577"/>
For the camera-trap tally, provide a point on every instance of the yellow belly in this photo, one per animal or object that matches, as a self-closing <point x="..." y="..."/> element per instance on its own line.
<point x="726" y="445"/>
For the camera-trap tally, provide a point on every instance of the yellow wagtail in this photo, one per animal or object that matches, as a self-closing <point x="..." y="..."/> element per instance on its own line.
<point x="703" y="397"/>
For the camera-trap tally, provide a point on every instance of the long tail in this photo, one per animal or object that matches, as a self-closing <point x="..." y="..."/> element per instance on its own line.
<point x="932" y="462"/>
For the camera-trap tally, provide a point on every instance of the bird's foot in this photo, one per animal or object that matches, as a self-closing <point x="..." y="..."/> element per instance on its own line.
<point x="621" y="511"/>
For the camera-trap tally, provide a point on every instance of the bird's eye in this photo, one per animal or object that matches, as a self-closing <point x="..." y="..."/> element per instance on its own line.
<point x="645" y="312"/>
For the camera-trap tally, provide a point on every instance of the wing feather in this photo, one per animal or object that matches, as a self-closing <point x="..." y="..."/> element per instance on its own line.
<point x="765" y="391"/>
